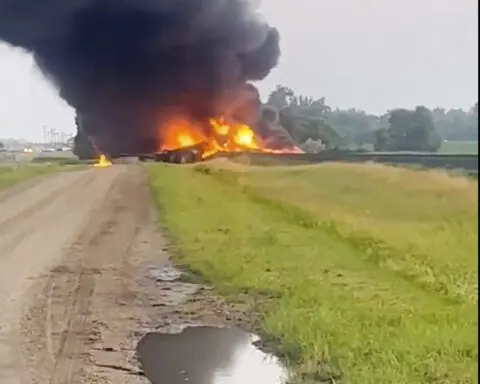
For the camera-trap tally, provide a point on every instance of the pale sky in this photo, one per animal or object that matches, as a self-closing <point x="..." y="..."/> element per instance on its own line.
<point x="368" y="54"/>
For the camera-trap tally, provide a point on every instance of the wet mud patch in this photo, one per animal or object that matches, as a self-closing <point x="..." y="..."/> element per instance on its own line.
<point x="208" y="355"/>
<point x="179" y="300"/>
<point x="172" y="291"/>
<point x="195" y="336"/>
<point x="166" y="272"/>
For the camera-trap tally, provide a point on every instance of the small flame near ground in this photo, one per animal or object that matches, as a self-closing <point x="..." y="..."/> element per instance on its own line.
<point x="102" y="162"/>
<point x="219" y="136"/>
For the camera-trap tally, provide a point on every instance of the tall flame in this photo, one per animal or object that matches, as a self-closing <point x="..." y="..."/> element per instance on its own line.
<point x="179" y="133"/>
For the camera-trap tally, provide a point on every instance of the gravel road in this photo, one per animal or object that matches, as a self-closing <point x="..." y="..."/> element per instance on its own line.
<point x="71" y="246"/>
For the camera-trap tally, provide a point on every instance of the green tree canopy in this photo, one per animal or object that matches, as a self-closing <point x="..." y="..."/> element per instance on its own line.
<point x="456" y="124"/>
<point x="304" y="118"/>
<point x="409" y="131"/>
<point x="308" y="118"/>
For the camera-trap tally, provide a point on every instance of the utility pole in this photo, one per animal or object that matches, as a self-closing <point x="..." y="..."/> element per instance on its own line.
<point x="49" y="133"/>
<point x="52" y="138"/>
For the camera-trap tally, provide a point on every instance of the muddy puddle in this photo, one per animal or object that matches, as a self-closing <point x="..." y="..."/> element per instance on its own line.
<point x="207" y="355"/>
<point x="186" y="348"/>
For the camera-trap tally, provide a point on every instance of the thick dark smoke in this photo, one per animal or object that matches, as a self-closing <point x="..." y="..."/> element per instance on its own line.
<point x="128" y="63"/>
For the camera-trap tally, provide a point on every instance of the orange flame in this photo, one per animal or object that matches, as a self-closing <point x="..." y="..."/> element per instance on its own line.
<point x="180" y="133"/>
<point x="219" y="137"/>
<point x="102" y="162"/>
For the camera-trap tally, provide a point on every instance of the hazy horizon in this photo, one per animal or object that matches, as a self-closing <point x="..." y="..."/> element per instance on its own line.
<point x="371" y="55"/>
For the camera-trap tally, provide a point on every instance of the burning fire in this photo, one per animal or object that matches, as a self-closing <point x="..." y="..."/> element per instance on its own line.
<point x="221" y="137"/>
<point x="102" y="162"/>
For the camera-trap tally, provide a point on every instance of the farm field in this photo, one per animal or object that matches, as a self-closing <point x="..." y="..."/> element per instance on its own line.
<point x="460" y="147"/>
<point x="451" y="147"/>
<point x="360" y="273"/>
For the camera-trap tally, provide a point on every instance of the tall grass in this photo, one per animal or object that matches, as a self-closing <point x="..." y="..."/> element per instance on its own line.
<point x="369" y="272"/>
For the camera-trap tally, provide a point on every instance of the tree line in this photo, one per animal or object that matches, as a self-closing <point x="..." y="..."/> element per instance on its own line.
<point x="310" y="120"/>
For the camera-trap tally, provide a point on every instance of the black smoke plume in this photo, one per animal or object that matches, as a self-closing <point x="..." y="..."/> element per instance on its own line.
<point x="128" y="63"/>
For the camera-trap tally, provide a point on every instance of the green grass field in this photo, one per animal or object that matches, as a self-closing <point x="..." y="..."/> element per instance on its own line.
<point x="460" y="147"/>
<point x="367" y="273"/>
<point x="452" y="147"/>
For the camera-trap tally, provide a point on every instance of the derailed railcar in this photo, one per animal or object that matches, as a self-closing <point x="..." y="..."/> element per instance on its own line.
<point x="186" y="155"/>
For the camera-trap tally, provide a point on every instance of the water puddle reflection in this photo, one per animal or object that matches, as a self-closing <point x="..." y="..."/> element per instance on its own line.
<point x="208" y="355"/>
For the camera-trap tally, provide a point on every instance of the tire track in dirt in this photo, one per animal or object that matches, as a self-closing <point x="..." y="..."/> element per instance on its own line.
<point x="83" y="275"/>
<point x="90" y="298"/>
<point x="17" y="226"/>
<point x="76" y="290"/>
<point x="21" y="187"/>
<point x="38" y="197"/>
<point x="36" y="225"/>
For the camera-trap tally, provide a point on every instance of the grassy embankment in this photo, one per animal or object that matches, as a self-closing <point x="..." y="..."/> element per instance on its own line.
<point x="370" y="272"/>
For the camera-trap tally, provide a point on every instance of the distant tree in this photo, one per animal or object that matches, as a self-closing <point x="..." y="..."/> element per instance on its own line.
<point x="382" y="139"/>
<point x="309" y="106"/>
<point x="409" y="131"/>
<point x="281" y="97"/>
<point x="456" y="124"/>
<point x="303" y="117"/>
<point x="473" y="122"/>
<point x="356" y="126"/>
<point x="327" y="134"/>
<point x="303" y="127"/>
<point x="416" y="130"/>
<point x="2" y="146"/>
<point x="474" y="109"/>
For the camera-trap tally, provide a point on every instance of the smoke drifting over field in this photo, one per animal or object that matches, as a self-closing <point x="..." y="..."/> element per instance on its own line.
<point x="125" y="61"/>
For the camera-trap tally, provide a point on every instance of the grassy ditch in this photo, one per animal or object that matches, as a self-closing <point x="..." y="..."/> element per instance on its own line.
<point x="369" y="272"/>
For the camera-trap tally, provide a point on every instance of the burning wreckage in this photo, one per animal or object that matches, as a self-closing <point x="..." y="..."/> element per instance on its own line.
<point x="163" y="79"/>
<point x="247" y="127"/>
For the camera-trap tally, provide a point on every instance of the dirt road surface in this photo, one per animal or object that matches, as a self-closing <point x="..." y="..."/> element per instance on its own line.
<point x="71" y="246"/>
